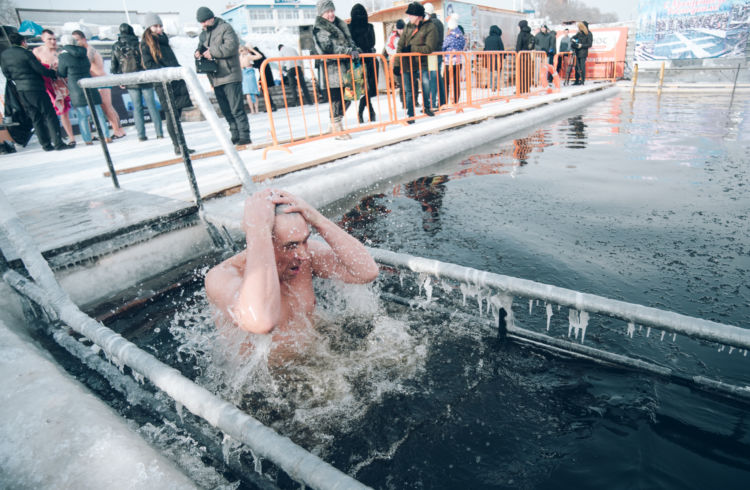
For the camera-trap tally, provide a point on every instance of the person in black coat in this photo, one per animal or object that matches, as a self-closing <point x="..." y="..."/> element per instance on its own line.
<point x="494" y="42"/>
<point x="267" y="73"/>
<point x="73" y="64"/>
<point x="524" y="41"/>
<point x="581" y="43"/>
<point x="363" y="35"/>
<point x="157" y="53"/>
<point x="22" y="68"/>
<point x="126" y="58"/>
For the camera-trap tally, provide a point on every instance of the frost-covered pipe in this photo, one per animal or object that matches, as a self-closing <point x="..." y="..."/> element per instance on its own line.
<point x="639" y="314"/>
<point x="198" y="96"/>
<point x="294" y="460"/>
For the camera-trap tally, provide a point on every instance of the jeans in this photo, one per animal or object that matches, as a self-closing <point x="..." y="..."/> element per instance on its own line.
<point x="408" y="81"/>
<point x="84" y="124"/>
<point x="232" y="105"/>
<point x="437" y="84"/>
<point x="137" y="94"/>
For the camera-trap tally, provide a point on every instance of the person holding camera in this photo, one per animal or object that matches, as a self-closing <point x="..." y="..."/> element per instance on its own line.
<point x="581" y="42"/>
<point x="219" y="42"/>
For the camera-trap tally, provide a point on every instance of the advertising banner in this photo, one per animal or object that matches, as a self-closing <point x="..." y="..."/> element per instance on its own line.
<point x="692" y="29"/>
<point x="609" y="46"/>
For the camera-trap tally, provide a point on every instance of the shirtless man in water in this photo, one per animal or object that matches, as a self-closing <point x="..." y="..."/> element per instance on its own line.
<point x="268" y="287"/>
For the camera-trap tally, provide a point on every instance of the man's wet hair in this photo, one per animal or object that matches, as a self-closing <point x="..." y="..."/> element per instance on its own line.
<point x="48" y="31"/>
<point x="79" y="34"/>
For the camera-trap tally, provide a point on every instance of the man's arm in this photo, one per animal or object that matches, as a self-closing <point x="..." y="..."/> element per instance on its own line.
<point x="229" y="45"/>
<point x="344" y="257"/>
<point x="249" y="293"/>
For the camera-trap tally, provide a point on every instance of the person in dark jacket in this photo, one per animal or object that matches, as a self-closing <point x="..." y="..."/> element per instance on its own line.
<point x="126" y="58"/>
<point x="437" y="82"/>
<point x="545" y="40"/>
<point x="420" y="36"/>
<point x="73" y="64"/>
<point x="22" y="68"/>
<point x="494" y="42"/>
<point x="157" y="53"/>
<point x="331" y="36"/>
<point x="219" y="42"/>
<point x="581" y="42"/>
<point x="363" y="35"/>
<point x="524" y="41"/>
<point x="267" y="73"/>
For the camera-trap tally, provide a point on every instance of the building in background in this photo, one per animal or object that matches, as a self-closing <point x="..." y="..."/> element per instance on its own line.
<point x="253" y="18"/>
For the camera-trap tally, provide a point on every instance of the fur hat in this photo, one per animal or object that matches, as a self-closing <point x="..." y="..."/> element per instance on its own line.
<point x="151" y="19"/>
<point x="126" y="28"/>
<point x="429" y="9"/>
<point x="400" y="24"/>
<point x="324" y="6"/>
<point x="415" y="8"/>
<point x="203" y="14"/>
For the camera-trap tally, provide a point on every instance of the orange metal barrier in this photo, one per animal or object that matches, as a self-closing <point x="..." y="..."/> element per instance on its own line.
<point x="493" y="75"/>
<point x="314" y="118"/>
<point x="468" y="79"/>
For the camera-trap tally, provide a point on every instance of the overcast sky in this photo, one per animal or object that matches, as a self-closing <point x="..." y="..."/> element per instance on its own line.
<point x="625" y="9"/>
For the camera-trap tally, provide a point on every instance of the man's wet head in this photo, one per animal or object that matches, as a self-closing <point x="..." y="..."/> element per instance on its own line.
<point x="290" y="235"/>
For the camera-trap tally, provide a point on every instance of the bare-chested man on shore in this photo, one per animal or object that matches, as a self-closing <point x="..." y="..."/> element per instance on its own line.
<point x="268" y="287"/>
<point x="47" y="54"/>
<point x="97" y="70"/>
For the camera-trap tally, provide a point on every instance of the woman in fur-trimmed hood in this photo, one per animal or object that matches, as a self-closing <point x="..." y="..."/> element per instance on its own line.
<point x="331" y="36"/>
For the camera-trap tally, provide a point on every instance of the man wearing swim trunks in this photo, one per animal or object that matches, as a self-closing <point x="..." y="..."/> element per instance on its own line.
<point x="268" y="287"/>
<point x="57" y="89"/>
<point x="97" y="70"/>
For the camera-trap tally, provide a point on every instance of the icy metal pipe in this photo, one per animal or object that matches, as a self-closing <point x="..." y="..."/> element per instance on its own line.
<point x="198" y="96"/>
<point x="294" y="460"/>
<point x="638" y="314"/>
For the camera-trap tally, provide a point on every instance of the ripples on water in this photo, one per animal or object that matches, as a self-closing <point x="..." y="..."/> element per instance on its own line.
<point x="643" y="201"/>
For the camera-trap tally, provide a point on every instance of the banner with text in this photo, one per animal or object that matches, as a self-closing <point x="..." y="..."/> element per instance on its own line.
<point x="692" y="29"/>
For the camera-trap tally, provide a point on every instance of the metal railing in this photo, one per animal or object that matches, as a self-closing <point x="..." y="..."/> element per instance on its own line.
<point x="298" y="463"/>
<point x="464" y="79"/>
<point x="164" y="76"/>
<point x="676" y="323"/>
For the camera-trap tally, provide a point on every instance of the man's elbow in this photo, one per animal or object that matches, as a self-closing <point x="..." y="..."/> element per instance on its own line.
<point x="251" y="322"/>
<point x="369" y="273"/>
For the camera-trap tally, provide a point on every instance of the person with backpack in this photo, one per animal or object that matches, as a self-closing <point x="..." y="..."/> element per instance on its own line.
<point x="524" y="42"/>
<point x="73" y="64"/>
<point x="126" y="58"/>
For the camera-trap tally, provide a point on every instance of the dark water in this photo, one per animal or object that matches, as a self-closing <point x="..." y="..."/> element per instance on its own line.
<point x="642" y="201"/>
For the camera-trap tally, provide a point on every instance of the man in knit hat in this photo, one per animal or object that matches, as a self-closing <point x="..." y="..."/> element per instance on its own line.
<point x="420" y="36"/>
<point x="219" y="42"/>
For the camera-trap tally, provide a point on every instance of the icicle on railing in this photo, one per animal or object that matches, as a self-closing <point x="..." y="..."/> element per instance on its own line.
<point x="577" y="322"/>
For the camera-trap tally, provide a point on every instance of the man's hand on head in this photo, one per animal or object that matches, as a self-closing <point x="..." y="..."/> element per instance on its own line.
<point x="298" y="205"/>
<point x="259" y="212"/>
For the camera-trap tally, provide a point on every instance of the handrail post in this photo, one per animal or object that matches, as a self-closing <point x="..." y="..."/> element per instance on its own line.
<point x="661" y="78"/>
<point x="102" y="139"/>
<point x="635" y="79"/>
<point x="182" y="144"/>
